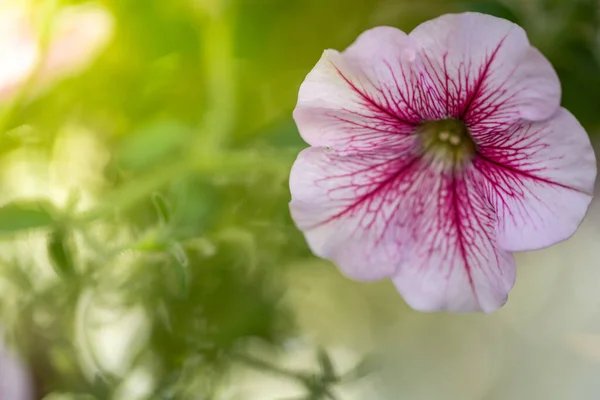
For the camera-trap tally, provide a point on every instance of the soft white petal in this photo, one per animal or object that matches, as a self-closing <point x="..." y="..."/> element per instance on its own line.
<point x="392" y="213"/>
<point x="540" y="179"/>
<point x="454" y="263"/>
<point x="355" y="100"/>
<point x="348" y="207"/>
<point x="484" y="70"/>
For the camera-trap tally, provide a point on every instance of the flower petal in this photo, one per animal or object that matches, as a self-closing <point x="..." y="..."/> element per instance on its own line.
<point x="540" y="179"/>
<point x="80" y="33"/>
<point x="485" y="70"/>
<point x="348" y="208"/>
<point x="354" y="99"/>
<point x="390" y="213"/>
<point x="18" y="49"/>
<point x="454" y="264"/>
<point x="15" y="379"/>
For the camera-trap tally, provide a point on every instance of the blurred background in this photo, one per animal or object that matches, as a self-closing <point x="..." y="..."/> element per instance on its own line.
<point x="146" y="250"/>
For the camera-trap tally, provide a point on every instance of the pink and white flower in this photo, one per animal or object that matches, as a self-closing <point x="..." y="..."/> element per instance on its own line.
<point x="16" y="382"/>
<point x="77" y="35"/>
<point x="436" y="154"/>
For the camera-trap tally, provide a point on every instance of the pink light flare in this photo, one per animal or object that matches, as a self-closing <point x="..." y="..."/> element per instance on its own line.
<point x="436" y="154"/>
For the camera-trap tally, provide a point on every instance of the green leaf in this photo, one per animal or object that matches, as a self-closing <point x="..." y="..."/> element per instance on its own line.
<point x="197" y="206"/>
<point x="60" y="252"/>
<point x="151" y="241"/>
<point x="327" y="368"/>
<point x="181" y="269"/>
<point x="153" y="144"/>
<point x="21" y="216"/>
<point x="179" y="254"/>
<point x="365" y="367"/>
<point x="162" y="208"/>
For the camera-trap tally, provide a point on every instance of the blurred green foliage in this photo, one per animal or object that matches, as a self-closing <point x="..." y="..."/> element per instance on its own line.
<point x="189" y="108"/>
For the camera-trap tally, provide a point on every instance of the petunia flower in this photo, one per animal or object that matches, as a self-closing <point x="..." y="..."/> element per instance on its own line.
<point x="15" y="380"/>
<point x="434" y="156"/>
<point x="78" y="34"/>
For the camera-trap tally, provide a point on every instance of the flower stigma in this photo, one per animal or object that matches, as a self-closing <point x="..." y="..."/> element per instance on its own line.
<point x="447" y="140"/>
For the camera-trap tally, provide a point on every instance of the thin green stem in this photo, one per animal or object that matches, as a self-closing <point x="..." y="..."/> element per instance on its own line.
<point x="231" y="162"/>
<point x="220" y="83"/>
